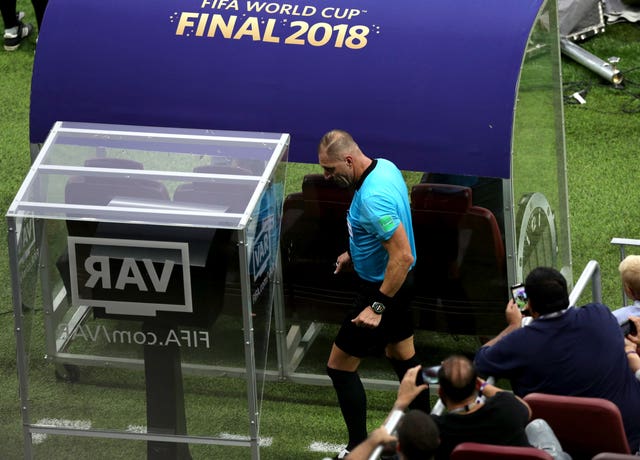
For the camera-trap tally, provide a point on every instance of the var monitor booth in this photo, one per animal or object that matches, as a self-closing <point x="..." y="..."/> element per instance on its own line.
<point x="174" y="219"/>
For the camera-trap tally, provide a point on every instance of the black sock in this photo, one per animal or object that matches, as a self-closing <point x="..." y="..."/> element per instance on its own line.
<point x="353" y="404"/>
<point x="422" y="401"/>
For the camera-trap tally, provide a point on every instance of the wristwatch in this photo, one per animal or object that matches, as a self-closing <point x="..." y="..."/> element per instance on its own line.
<point x="378" y="307"/>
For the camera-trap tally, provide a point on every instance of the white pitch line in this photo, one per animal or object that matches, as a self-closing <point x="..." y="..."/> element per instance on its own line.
<point x="136" y="429"/>
<point x="318" y="446"/>
<point x="262" y="442"/>
<point x="38" y="438"/>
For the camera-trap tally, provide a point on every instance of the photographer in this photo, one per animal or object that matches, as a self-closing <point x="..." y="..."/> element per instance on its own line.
<point x="499" y="418"/>
<point x="417" y="434"/>
<point x="481" y="412"/>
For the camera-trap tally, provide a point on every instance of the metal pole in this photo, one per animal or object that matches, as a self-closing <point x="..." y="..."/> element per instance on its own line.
<point x="590" y="274"/>
<point x="19" y="330"/>
<point x="390" y="425"/>
<point x="604" y="69"/>
<point x="249" y="351"/>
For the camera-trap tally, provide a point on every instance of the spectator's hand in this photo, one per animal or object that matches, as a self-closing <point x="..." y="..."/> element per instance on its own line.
<point x="342" y="262"/>
<point x="629" y="345"/>
<point x="513" y="314"/>
<point x="408" y="389"/>
<point x="381" y="436"/>
<point x="367" y="318"/>
<point x="635" y="338"/>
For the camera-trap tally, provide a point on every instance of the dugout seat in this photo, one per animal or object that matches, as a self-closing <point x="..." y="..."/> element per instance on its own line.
<point x="223" y="169"/>
<point x="487" y="191"/>
<point x="314" y="233"/>
<point x="460" y="272"/>
<point x="232" y="195"/>
<point x="99" y="191"/>
<point x="111" y="162"/>
<point x="584" y="426"/>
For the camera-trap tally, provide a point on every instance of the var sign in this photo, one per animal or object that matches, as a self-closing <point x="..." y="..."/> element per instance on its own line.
<point x="261" y="252"/>
<point x="130" y="277"/>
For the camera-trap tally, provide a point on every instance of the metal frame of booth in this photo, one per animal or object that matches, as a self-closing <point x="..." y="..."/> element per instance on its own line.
<point x="42" y="202"/>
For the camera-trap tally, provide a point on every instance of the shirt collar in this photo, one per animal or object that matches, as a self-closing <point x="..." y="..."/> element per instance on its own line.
<point x="366" y="173"/>
<point x="554" y="314"/>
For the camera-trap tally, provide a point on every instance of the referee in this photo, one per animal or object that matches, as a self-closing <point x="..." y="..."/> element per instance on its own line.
<point x="382" y="253"/>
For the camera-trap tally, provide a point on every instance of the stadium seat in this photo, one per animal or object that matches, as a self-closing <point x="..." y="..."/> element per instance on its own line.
<point x="614" y="456"/>
<point x="584" y="426"/>
<point x="460" y="272"/>
<point x="479" y="451"/>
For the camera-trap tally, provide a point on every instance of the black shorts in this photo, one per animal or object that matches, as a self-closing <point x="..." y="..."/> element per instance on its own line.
<point x="395" y="326"/>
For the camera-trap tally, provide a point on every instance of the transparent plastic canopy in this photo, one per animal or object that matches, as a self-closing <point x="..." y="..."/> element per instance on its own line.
<point x="230" y="168"/>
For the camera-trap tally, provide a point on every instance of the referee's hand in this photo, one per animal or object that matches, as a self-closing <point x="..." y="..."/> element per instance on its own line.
<point x="367" y="318"/>
<point x="344" y="260"/>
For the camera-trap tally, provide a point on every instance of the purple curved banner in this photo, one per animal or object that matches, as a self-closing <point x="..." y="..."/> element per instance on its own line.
<point x="430" y="85"/>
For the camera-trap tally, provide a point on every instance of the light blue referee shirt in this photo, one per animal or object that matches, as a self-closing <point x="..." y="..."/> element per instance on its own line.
<point x="380" y="204"/>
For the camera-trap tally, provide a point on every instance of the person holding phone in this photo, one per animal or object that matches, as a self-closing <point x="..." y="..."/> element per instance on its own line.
<point x="564" y="350"/>
<point x="632" y="344"/>
<point x="519" y="296"/>
<point x="382" y="252"/>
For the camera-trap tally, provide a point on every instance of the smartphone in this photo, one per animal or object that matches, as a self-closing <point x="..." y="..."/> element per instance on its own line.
<point x="628" y="327"/>
<point x="428" y="375"/>
<point x="519" y="296"/>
